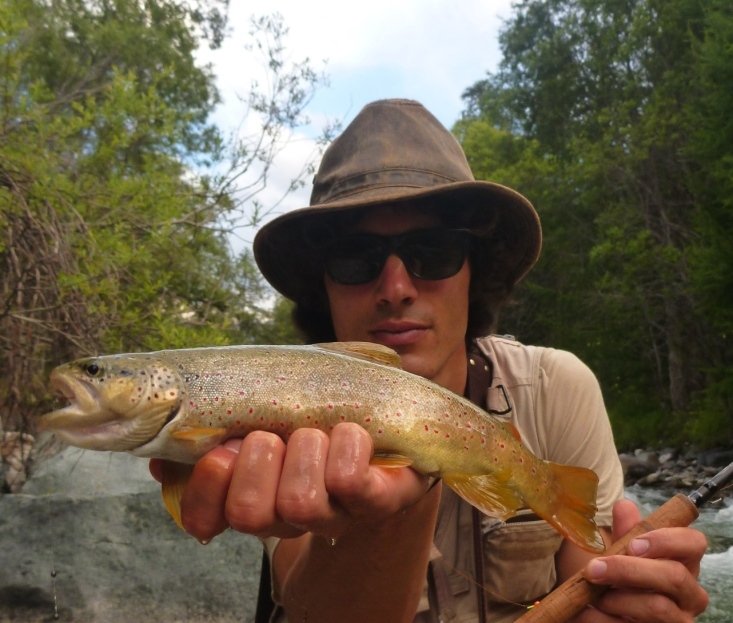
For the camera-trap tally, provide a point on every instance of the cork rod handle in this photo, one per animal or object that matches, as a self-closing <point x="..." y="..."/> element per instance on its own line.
<point x="572" y="596"/>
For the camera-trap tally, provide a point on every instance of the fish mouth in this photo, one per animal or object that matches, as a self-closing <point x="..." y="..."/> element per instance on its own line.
<point x="83" y="409"/>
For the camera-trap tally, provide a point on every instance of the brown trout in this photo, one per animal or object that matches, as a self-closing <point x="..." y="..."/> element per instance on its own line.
<point x="179" y="404"/>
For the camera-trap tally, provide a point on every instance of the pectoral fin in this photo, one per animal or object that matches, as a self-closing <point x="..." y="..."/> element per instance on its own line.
<point x="175" y="477"/>
<point x="197" y="434"/>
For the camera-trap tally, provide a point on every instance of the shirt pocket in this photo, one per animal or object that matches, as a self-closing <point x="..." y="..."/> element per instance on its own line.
<point x="519" y="558"/>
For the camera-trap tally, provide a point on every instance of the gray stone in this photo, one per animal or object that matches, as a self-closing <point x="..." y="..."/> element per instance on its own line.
<point x="97" y="522"/>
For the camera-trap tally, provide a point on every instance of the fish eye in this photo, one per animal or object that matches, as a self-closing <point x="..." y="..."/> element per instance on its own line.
<point x="92" y="369"/>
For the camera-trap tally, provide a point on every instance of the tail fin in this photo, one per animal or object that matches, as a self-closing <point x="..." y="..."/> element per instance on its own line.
<point x="572" y="514"/>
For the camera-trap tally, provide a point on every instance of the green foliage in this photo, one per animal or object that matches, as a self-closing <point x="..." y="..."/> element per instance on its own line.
<point x="113" y="236"/>
<point x="612" y="116"/>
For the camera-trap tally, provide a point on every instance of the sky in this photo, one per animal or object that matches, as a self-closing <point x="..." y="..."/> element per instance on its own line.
<point x="428" y="50"/>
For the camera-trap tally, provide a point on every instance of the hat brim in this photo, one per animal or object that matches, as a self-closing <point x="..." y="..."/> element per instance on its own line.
<point x="287" y="264"/>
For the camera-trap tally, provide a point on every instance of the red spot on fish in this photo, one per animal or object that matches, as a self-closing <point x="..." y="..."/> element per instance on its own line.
<point x="156" y="395"/>
<point x="446" y="415"/>
<point x="426" y="427"/>
<point x="216" y="399"/>
<point x="330" y="406"/>
<point x="468" y="426"/>
<point x="379" y="431"/>
<point x="316" y="422"/>
<point x="501" y="445"/>
<point x="367" y="419"/>
<point x="436" y="431"/>
<point x="343" y="417"/>
<point x="521" y="460"/>
<point x="238" y="422"/>
<point x="307" y="417"/>
<point x="190" y="403"/>
<point x="229" y="411"/>
<point x="447" y="435"/>
<point x="483" y="441"/>
<point x="241" y="393"/>
<point x="251" y="410"/>
<point x="282" y="424"/>
<point x="274" y="402"/>
<point x="297" y="406"/>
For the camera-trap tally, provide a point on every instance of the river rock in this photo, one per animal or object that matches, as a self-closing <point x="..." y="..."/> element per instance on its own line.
<point x="90" y="539"/>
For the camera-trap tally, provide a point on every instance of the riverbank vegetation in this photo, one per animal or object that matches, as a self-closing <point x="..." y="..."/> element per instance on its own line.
<point x="118" y="196"/>
<point x="614" y="118"/>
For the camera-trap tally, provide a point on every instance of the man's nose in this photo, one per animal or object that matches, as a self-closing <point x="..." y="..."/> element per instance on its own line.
<point x="395" y="285"/>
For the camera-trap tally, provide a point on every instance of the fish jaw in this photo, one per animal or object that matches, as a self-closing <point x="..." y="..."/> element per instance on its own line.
<point x="84" y="410"/>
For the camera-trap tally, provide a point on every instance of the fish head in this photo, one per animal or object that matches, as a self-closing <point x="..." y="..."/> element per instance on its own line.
<point x="116" y="403"/>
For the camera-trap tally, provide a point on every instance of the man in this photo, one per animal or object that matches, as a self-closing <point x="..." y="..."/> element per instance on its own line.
<point x="401" y="247"/>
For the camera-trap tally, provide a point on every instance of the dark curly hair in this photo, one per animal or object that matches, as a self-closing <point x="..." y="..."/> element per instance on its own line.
<point x="489" y="289"/>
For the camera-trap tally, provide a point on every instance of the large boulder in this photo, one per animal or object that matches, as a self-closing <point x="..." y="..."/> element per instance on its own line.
<point x="89" y="538"/>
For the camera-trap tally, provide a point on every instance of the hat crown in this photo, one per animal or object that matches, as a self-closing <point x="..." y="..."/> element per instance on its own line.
<point x="390" y="144"/>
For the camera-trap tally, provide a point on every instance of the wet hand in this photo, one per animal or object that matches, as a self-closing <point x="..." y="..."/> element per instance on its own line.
<point x="655" y="582"/>
<point x="316" y="483"/>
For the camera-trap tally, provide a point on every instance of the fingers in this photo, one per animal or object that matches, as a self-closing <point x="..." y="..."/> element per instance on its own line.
<point x="625" y="516"/>
<point x="656" y="580"/>
<point x="202" y="504"/>
<point x="316" y="483"/>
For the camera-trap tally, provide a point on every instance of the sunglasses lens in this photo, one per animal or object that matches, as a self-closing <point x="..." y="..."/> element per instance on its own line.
<point x="356" y="259"/>
<point x="428" y="254"/>
<point x="434" y="254"/>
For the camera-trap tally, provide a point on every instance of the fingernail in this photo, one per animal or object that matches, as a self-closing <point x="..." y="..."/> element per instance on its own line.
<point x="233" y="444"/>
<point x="639" y="547"/>
<point x="596" y="570"/>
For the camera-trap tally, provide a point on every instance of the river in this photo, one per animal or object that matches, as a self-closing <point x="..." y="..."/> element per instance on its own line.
<point x="716" y="521"/>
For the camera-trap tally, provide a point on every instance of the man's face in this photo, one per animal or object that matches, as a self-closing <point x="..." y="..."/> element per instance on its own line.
<point x="424" y="321"/>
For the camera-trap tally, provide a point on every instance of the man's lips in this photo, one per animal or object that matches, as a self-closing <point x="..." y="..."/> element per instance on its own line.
<point x="396" y="333"/>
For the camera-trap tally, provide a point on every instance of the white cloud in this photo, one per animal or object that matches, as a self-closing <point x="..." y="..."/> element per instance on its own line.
<point x="429" y="50"/>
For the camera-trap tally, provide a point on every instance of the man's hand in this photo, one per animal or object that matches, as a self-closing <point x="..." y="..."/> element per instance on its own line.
<point x="316" y="483"/>
<point x="655" y="582"/>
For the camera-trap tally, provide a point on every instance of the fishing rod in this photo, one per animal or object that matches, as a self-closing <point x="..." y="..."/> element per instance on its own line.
<point x="572" y="596"/>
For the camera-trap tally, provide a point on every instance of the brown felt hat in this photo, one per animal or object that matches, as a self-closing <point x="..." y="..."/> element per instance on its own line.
<point x="396" y="151"/>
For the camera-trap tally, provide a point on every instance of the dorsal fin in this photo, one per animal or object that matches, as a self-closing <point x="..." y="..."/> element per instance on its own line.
<point x="376" y="353"/>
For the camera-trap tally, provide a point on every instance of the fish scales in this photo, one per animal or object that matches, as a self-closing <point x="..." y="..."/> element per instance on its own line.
<point x="179" y="404"/>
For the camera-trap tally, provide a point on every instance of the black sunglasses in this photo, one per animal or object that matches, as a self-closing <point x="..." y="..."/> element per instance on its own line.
<point x="430" y="254"/>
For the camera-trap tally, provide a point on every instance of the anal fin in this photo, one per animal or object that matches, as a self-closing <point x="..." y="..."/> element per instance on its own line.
<point x="487" y="492"/>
